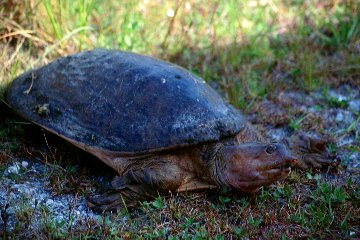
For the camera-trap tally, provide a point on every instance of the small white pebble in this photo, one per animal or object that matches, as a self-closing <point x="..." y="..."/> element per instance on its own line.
<point x="339" y="117"/>
<point x="24" y="164"/>
<point x="14" y="169"/>
<point x="10" y="210"/>
<point x="170" y="13"/>
<point x="355" y="105"/>
<point x="13" y="195"/>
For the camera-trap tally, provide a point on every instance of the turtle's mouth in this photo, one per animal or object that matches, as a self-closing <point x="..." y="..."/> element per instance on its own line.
<point x="284" y="168"/>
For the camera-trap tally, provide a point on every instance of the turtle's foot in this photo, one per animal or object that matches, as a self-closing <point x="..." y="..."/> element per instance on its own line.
<point x="311" y="152"/>
<point x="108" y="201"/>
<point x="137" y="186"/>
<point x="121" y="196"/>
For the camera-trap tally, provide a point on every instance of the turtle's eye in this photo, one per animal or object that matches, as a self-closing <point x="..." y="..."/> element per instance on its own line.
<point x="270" y="149"/>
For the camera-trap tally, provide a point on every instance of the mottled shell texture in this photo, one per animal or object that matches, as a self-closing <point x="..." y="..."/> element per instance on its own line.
<point x="123" y="102"/>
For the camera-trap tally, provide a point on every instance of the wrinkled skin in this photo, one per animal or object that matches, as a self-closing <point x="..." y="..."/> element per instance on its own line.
<point x="252" y="165"/>
<point x="243" y="164"/>
<point x="243" y="167"/>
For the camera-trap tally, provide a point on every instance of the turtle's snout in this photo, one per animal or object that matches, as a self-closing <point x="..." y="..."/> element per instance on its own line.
<point x="291" y="162"/>
<point x="252" y="165"/>
<point x="286" y="165"/>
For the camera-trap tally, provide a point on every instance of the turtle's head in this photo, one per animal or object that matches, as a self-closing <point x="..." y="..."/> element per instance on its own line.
<point x="246" y="167"/>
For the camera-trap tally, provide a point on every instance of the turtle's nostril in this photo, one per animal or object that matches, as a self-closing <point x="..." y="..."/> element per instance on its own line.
<point x="293" y="161"/>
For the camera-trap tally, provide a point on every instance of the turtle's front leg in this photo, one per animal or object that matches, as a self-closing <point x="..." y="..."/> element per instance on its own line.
<point x="121" y="196"/>
<point x="138" y="185"/>
<point x="311" y="152"/>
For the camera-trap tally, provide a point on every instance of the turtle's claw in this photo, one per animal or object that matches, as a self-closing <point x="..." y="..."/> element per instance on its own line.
<point x="119" y="197"/>
<point x="311" y="152"/>
<point x="106" y="202"/>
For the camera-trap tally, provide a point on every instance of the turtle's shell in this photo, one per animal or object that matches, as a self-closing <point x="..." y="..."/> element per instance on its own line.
<point x="123" y="102"/>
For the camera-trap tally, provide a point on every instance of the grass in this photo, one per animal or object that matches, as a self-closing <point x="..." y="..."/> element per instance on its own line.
<point x="247" y="50"/>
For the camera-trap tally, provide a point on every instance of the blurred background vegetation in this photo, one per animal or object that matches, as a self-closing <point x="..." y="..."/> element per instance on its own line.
<point x="245" y="48"/>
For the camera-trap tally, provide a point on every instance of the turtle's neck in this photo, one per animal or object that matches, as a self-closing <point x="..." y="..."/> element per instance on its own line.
<point x="212" y="162"/>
